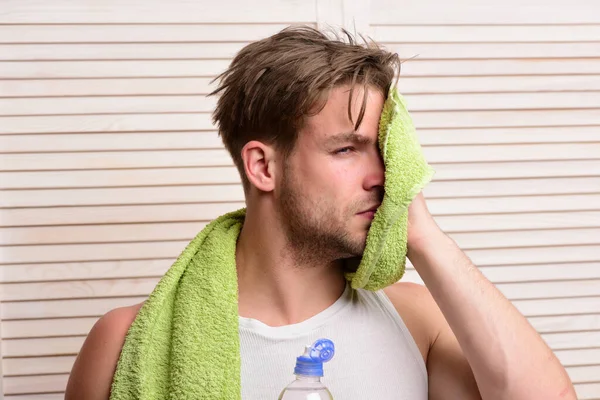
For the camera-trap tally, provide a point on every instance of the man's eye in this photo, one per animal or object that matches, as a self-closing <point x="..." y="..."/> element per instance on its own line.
<point x="344" y="150"/>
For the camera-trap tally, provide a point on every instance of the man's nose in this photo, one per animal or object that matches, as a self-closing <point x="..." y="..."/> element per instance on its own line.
<point x="376" y="173"/>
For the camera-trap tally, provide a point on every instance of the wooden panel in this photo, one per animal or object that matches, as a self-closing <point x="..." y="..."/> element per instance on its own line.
<point x="169" y="231"/>
<point x="35" y="384"/>
<point x="125" y="104"/>
<point x="148" y="11"/>
<point x="210" y="68"/>
<point x="37" y="365"/>
<point x="86" y="289"/>
<point x="206" y="211"/>
<point x="197" y="50"/>
<point x="121" y="214"/>
<point x="119" y="178"/>
<point x="47" y="327"/>
<point x="566" y="324"/>
<point x="92" y="252"/>
<point x="197" y="86"/>
<point x="558" y="341"/>
<point x="151" y="51"/>
<point x="117" y="159"/>
<point x="579" y="357"/>
<point x="587" y="391"/>
<point x="64" y="308"/>
<point x="444" y="50"/>
<point x="558" y="254"/>
<point x="85" y="270"/>
<point x="583" y="374"/>
<point x="48" y="396"/>
<point x="220" y="157"/>
<point x="143" y="286"/>
<point x="69" y="142"/>
<point x="42" y="346"/>
<point x="234" y="193"/>
<point x="95" y="307"/>
<point x="573" y="306"/>
<point x="485" y="33"/>
<point x="482" y="13"/>
<point x="204" y="104"/>
<point x="202" y="121"/>
<point x="65" y="142"/>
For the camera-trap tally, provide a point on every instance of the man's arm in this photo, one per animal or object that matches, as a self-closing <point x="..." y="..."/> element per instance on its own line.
<point x="508" y="357"/>
<point x="93" y="370"/>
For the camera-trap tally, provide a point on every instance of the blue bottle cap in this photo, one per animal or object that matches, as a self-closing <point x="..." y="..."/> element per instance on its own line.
<point x="311" y="362"/>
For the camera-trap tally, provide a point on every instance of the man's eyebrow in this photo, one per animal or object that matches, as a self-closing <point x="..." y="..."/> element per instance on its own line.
<point x="346" y="137"/>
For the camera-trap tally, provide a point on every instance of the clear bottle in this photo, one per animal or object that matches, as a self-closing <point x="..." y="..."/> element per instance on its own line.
<point x="308" y="371"/>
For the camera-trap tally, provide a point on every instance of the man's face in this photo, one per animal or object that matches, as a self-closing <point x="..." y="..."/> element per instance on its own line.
<point x="332" y="177"/>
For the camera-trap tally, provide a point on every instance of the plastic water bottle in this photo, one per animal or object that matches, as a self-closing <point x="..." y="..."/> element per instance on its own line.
<point x="308" y="371"/>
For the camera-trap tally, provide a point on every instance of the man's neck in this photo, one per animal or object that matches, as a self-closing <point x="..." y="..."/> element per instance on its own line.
<point x="275" y="287"/>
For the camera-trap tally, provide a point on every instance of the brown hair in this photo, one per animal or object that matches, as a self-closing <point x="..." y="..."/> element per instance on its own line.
<point x="272" y="85"/>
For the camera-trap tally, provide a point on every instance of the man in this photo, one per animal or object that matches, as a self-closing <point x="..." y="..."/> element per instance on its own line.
<point x="299" y="114"/>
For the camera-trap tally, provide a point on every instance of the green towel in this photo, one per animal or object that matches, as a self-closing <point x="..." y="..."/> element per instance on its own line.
<point x="184" y="343"/>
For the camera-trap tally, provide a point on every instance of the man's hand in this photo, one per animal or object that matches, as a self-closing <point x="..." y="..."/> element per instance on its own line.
<point x="421" y="225"/>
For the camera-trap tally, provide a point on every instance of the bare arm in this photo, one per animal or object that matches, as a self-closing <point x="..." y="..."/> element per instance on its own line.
<point x="93" y="370"/>
<point x="508" y="358"/>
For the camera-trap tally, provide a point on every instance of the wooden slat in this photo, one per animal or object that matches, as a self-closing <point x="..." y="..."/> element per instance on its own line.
<point x="587" y="391"/>
<point x="169" y="231"/>
<point x="64" y="308"/>
<point x="486" y="33"/>
<point x="584" y="374"/>
<point x="579" y="357"/>
<point x="451" y="50"/>
<point x="68" y="142"/>
<point x="482" y="13"/>
<point x="558" y="341"/>
<point x="153" y="51"/>
<point x="197" y="86"/>
<point x="143" y="286"/>
<point x="47" y="327"/>
<point x="118" y="159"/>
<point x="548" y="272"/>
<point x="202" y="103"/>
<point x="38" y="365"/>
<point x="202" y="121"/>
<point x="205" y="211"/>
<point x="140" y="86"/>
<point x="560" y="254"/>
<point x="558" y="289"/>
<point x="220" y="157"/>
<point x="199" y="50"/>
<point x="509" y="169"/>
<point x="47" y="396"/>
<point x="84" y="270"/>
<point x="137" y="11"/>
<point x="572" y="306"/>
<point x="96" y="307"/>
<point x="155" y="250"/>
<point x="209" y="68"/>
<point x="114" y="141"/>
<point x="92" y="252"/>
<point x="124" y="104"/>
<point x="35" y="384"/>
<point x="120" y="214"/>
<point x="42" y="346"/>
<point x="566" y="323"/>
<point x="119" y="178"/>
<point x="234" y="193"/>
<point x="78" y="289"/>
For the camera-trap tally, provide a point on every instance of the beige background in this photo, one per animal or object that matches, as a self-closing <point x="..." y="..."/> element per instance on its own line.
<point x="110" y="164"/>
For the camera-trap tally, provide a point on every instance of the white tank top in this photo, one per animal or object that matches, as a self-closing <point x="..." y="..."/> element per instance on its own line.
<point x="375" y="355"/>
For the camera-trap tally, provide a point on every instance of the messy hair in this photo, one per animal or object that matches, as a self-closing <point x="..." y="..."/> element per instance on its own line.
<point x="274" y="84"/>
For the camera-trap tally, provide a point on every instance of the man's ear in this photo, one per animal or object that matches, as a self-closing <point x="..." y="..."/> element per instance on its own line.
<point x="259" y="165"/>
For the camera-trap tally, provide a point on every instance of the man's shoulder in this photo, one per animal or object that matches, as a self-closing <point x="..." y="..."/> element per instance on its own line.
<point x="419" y="312"/>
<point x="92" y="373"/>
